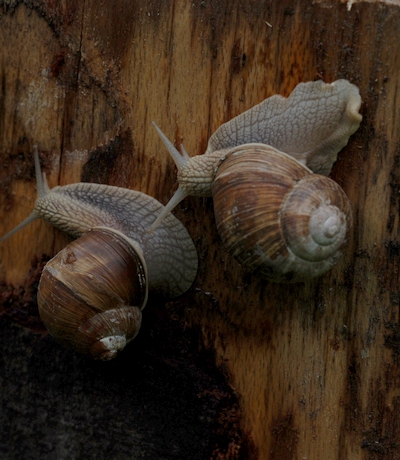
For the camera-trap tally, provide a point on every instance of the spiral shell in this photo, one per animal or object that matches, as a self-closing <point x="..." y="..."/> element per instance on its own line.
<point x="91" y="293"/>
<point x="276" y="217"/>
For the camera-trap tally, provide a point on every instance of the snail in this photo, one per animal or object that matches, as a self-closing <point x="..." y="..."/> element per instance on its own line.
<point x="91" y="294"/>
<point x="266" y="169"/>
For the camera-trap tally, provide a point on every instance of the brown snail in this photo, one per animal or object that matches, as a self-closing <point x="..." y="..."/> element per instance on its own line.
<point x="91" y="294"/>
<point x="275" y="215"/>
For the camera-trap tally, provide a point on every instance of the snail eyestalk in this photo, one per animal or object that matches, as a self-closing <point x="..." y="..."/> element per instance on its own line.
<point x="33" y="216"/>
<point x="181" y="160"/>
<point x="42" y="190"/>
<point x="41" y="182"/>
<point x="178" y="196"/>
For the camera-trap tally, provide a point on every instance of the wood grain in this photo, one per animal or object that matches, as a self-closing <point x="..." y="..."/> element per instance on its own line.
<point x="316" y="364"/>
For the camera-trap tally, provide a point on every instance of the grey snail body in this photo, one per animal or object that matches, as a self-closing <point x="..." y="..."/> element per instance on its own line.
<point x="296" y="137"/>
<point x="99" y="283"/>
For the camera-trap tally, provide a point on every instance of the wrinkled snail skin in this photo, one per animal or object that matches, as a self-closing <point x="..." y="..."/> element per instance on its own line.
<point x="312" y="125"/>
<point x="309" y="128"/>
<point x="76" y="208"/>
<point x="91" y="294"/>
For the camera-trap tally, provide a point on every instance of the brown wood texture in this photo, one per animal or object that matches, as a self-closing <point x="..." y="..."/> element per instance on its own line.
<point x="316" y="365"/>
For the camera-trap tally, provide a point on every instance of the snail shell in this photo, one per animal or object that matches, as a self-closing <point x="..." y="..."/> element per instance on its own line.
<point x="276" y="217"/>
<point x="91" y="293"/>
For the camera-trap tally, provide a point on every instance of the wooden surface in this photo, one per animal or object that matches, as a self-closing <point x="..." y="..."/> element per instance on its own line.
<point x="316" y="365"/>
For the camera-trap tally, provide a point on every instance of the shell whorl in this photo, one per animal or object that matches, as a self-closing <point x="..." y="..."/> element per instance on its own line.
<point x="315" y="218"/>
<point x="276" y="217"/>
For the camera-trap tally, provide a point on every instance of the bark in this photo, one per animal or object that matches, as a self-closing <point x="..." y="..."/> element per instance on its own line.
<point x="315" y="365"/>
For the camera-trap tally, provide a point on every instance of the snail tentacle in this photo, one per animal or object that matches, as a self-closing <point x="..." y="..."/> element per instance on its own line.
<point x="177" y="197"/>
<point x="42" y="190"/>
<point x="195" y="175"/>
<point x="179" y="159"/>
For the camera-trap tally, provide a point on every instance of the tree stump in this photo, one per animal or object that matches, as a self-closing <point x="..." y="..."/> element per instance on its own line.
<point x="315" y="365"/>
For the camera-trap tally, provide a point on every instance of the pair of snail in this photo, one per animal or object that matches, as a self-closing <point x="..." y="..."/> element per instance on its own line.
<point x="275" y="215"/>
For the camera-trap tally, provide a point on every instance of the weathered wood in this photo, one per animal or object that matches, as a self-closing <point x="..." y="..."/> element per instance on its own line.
<point x="316" y="364"/>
